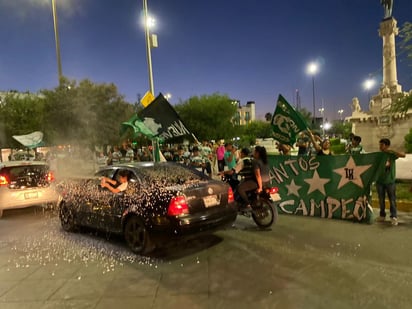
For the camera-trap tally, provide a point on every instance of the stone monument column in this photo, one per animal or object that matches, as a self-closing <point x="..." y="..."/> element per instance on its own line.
<point x="387" y="31"/>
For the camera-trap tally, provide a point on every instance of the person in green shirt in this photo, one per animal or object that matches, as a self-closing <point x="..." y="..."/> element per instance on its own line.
<point x="355" y="147"/>
<point x="385" y="184"/>
<point x="230" y="156"/>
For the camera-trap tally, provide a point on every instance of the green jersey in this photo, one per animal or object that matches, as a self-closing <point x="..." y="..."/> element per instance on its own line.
<point x="388" y="175"/>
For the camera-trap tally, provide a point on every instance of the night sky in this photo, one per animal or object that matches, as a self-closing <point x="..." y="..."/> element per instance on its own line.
<point x="249" y="50"/>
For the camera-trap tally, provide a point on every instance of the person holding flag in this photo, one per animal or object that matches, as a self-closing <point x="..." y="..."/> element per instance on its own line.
<point x="322" y="149"/>
<point x="386" y="182"/>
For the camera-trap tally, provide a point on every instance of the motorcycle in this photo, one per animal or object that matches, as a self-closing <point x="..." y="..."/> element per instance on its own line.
<point x="264" y="211"/>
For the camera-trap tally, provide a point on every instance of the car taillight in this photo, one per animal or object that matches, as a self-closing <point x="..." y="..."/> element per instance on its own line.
<point x="50" y="176"/>
<point x="230" y="195"/>
<point x="273" y="190"/>
<point x="178" y="206"/>
<point x="3" y="180"/>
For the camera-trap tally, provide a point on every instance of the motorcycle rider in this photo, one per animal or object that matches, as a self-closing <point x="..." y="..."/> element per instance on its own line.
<point x="260" y="175"/>
<point x="244" y="168"/>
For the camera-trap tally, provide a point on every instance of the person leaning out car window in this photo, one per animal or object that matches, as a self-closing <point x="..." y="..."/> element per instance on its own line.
<point x="111" y="184"/>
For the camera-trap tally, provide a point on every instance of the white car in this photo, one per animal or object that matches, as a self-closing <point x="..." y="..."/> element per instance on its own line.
<point x="26" y="183"/>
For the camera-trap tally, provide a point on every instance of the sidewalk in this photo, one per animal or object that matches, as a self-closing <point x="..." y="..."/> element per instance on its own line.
<point x="405" y="206"/>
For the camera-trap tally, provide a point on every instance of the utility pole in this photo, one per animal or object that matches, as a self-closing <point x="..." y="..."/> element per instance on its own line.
<point x="56" y="37"/>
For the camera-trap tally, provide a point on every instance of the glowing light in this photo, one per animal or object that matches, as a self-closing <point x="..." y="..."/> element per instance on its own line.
<point x="312" y="68"/>
<point x="368" y="84"/>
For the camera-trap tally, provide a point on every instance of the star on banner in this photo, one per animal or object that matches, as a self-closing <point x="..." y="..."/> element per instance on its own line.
<point x="351" y="173"/>
<point x="293" y="188"/>
<point x="317" y="183"/>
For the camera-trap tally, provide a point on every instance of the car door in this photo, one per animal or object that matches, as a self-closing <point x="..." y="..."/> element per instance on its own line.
<point x="119" y="203"/>
<point x="97" y="200"/>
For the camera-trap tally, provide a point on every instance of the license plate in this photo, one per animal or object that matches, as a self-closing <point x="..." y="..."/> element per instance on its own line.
<point x="275" y="197"/>
<point x="211" y="200"/>
<point x="31" y="195"/>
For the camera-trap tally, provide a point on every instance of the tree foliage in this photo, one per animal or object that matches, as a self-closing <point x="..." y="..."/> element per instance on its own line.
<point x="248" y="134"/>
<point x="405" y="34"/>
<point x="20" y="114"/>
<point x="306" y="115"/>
<point x="341" y="128"/>
<point x="81" y="113"/>
<point x="208" y="116"/>
<point x="402" y="104"/>
<point x="85" y="113"/>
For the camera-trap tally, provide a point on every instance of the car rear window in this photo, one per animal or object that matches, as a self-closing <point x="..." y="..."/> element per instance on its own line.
<point x="169" y="174"/>
<point x="26" y="175"/>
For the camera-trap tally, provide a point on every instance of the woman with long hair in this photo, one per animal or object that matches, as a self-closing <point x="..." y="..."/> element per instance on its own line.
<point x="261" y="177"/>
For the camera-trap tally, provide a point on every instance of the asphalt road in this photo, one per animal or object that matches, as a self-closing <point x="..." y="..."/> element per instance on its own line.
<point x="299" y="263"/>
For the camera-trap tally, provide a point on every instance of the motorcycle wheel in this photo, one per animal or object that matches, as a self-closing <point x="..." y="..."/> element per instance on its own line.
<point x="67" y="217"/>
<point x="264" y="213"/>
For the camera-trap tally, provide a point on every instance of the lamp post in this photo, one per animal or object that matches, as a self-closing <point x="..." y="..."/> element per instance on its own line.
<point x="147" y="24"/>
<point x="368" y="85"/>
<point x="321" y="110"/>
<point x="326" y="126"/>
<point x="56" y="36"/>
<point x="312" y="69"/>
<point x="340" y="112"/>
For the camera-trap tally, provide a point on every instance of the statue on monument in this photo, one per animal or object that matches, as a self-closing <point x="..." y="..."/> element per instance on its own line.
<point x="387" y="8"/>
<point x="355" y="105"/>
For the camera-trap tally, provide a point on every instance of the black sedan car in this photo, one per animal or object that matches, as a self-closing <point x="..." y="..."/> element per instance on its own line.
<point x="163" y="202"/>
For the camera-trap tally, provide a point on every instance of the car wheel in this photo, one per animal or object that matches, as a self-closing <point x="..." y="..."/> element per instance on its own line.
<point x="137" y="236"/>
<point x="67" y="217"/>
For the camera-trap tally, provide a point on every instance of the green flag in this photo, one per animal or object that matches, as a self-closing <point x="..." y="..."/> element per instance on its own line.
<point x="287" y="122"/>
<point x="137" y="125"/>
<point x="335" y="187"/>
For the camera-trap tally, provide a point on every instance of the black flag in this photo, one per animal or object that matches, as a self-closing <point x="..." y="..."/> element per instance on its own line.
<point x="161" y="118"/>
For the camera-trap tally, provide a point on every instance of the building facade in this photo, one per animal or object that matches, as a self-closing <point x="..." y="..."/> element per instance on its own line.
<point x="245" y="114"/>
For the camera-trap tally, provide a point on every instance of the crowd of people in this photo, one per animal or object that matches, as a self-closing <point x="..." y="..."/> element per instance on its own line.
<point x="252" y="170"/>
<point x="249" y="171"/>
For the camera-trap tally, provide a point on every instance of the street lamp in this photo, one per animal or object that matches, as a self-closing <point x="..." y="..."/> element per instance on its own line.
<point x="368" y="85"/>
<point x="168" y="96"/>
<point x="56" y="36"/>
<point x="340" y="112"/>
<point x="327" y="126"/>
<point x="312" y="69"/>
<point x="151" y="42"/>
<point x="321" y="110"/>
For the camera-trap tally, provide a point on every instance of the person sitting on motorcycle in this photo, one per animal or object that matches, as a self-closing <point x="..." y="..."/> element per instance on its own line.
<point x="260" y="175"/>
<point x="243" y="168"/>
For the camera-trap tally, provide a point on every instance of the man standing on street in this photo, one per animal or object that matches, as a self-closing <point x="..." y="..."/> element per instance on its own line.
<point x="386" y="182"/>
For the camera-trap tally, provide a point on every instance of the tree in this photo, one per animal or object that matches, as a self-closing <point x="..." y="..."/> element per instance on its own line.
<point x="406" y="39"/>
<point x="208" y="116"/>
<point x="306" y="115"/>
<point x="402" y="104"/>
<point x="268" y="116"/>
<point x="85" y="113"/>
<point x="342" y="129"/>
<point x="255" y="129"/>
<point x="20" y="114"/>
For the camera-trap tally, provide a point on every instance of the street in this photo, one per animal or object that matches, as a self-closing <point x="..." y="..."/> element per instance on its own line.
<point x="302" y="262"/>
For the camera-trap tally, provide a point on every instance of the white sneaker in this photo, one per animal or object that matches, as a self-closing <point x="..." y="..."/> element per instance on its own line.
<point x="380" y="219"/>
<point x="394" y="221"/>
